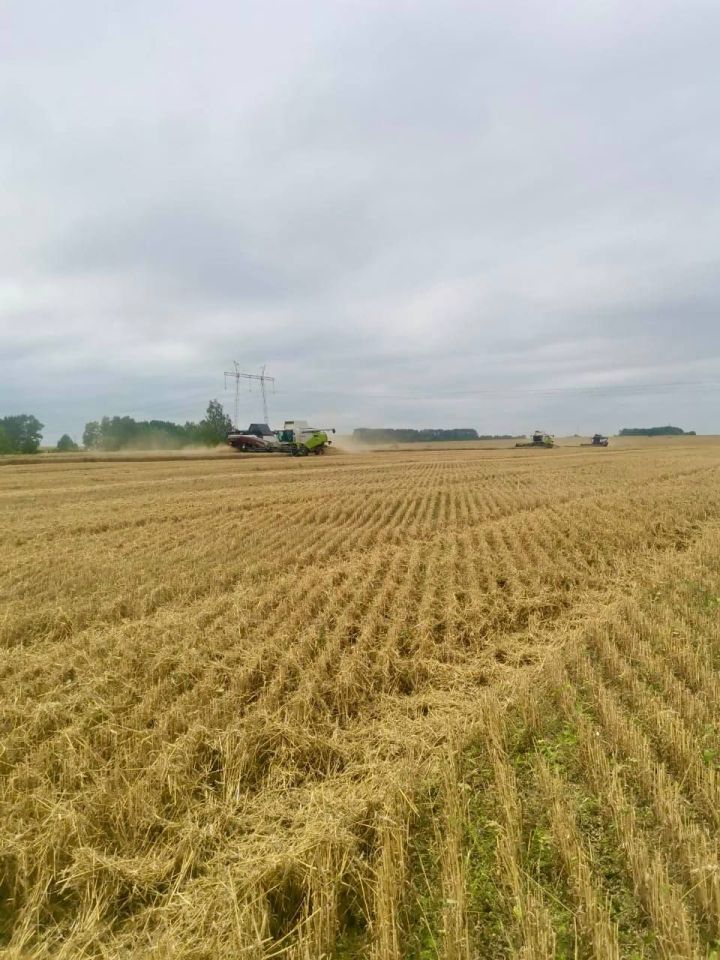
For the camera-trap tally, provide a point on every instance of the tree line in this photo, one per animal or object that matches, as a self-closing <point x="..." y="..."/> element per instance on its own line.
<point x="667" y="431"/>
<point x="120" y="433"/>
<point x="392" y="435"/>
<point x="22" y="433"/>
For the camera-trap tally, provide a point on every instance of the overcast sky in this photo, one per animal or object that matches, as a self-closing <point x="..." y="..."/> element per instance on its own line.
<point x="493" y="214"/>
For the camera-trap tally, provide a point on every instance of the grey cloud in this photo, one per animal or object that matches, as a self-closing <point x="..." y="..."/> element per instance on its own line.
<point x="189" y="251"/>
<point x="379" y="200"/>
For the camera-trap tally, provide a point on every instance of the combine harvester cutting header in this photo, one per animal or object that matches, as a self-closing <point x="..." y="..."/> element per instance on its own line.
<point x="296" y="438"/>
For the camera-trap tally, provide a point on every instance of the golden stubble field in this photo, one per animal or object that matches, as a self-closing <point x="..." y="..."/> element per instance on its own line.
<point x="408" y="704"/>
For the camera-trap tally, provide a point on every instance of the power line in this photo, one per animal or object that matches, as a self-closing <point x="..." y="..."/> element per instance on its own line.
<point x="262" y="377"/>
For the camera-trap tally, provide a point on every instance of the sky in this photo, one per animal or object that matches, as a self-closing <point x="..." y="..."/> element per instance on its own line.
<point x="500" y="214"/>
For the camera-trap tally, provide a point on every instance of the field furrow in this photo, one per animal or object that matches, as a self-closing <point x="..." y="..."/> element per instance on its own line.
<point x="405" y="705"/>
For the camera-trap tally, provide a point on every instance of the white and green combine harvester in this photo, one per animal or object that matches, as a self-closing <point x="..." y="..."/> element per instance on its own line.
<point x="539" y="441"/>
<point x="297" y="438"/>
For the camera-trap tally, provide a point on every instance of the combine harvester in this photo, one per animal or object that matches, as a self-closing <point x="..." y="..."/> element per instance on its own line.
<point x="539" y="441"/>
<point x="597" y="440"/>
<point x="296" y="438"/>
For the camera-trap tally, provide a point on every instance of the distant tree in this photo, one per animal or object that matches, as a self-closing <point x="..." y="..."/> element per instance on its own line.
<point x="5" y="445"/>
<point x="123" y="433"/>
<point x="411" y="435"/>
<point x="66" y="444"/>
<point x="91" y="435"/>
<point x="192" y="433"/>
<point x="24" y="432"/>
<point x="216" y="425"/>
<point x="667" y="431"/>
<point x="116" y="432"/>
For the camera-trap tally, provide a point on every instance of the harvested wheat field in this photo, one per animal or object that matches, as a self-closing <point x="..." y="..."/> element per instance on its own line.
<point x="412" y="704"/>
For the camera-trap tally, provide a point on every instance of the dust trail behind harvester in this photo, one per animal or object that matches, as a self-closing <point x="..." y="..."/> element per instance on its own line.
<point x="347" y="444"/>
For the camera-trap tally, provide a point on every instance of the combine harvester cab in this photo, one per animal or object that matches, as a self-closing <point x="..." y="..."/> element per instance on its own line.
<point x="299" y="439"/>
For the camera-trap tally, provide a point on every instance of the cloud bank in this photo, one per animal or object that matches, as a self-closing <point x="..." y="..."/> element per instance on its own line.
<point x="499" y="215"/>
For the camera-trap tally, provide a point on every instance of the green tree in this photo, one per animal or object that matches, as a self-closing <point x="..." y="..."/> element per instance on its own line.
<point x="121" y="433"/>
<point x="667" y="431"/>
<point x="91" y="435"/>
<point x="216" y="425"/>
<point x="5" y="445"/>
<point x="66" y="444"/>
<point x="24" y="432"/>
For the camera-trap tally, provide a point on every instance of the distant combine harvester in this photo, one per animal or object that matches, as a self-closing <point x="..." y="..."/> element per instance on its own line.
<point x="539" y="441"/>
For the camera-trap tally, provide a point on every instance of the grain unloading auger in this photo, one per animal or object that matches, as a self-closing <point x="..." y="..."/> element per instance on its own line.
<point x="297" y="438"/>
<point x="539" y="441"/>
